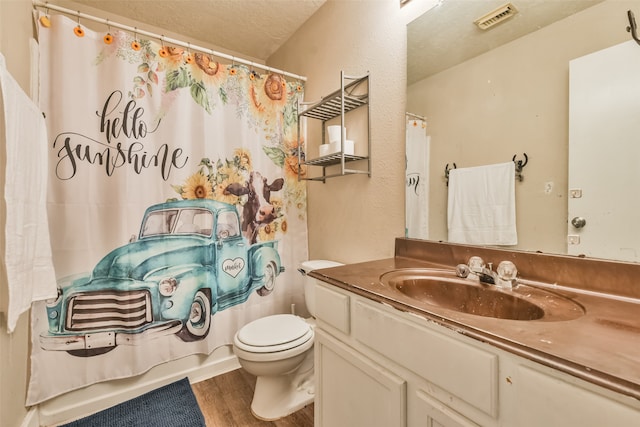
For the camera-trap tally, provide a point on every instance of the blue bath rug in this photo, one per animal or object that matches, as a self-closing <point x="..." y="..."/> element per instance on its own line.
<point x="173" y="405"/>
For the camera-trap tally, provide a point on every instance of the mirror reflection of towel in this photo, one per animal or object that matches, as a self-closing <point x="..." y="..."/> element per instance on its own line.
<point x="481" y="206"/>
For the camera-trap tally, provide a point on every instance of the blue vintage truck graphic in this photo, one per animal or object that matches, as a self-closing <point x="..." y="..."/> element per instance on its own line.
<point x="188" y="262"/>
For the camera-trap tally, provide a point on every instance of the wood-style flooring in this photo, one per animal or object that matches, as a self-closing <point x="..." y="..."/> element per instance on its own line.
<point x="225" y="401"/>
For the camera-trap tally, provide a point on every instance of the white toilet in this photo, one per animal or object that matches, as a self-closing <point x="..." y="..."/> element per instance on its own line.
<point x="278" y="350"/>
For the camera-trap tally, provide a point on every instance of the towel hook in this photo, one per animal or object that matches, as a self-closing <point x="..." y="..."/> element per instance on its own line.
<point x="447" y="170"/>
<point x="520" y="165"/>
<point x="632" y="28"/>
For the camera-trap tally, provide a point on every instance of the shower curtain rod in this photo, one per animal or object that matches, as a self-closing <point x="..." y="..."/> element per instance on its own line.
<point x="136" y="30"/>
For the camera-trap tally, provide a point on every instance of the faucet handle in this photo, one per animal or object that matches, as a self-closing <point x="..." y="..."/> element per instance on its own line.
<point x="462" y="270"/>
<point x="476" y="263"/>
<point x="507" y="271"/>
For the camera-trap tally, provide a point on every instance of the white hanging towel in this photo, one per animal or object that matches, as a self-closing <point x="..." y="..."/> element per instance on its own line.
<point x="27" y="252"/>
<point x="481" y="206"/>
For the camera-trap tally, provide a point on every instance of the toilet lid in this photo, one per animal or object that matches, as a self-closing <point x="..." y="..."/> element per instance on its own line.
<point x="277" y="330"/>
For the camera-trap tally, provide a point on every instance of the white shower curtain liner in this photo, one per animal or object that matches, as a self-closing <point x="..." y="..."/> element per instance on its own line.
<point x="417" y="177"/>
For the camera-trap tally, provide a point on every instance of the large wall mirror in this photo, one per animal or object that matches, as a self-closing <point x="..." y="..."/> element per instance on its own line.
<point x="490" y="95"/>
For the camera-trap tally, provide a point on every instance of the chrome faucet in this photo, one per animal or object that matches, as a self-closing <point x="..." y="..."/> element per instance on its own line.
<point x="504" y="276"/>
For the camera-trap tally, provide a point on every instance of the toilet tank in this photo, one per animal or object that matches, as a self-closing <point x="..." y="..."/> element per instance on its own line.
<point x="308" y="282"/>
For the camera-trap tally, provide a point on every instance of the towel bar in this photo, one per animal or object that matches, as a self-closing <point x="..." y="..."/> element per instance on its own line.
<point x="520" y="164"/>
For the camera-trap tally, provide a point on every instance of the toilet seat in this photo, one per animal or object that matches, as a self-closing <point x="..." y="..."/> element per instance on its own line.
<point x="272" y="338"/>
<point x="274" y="333"/>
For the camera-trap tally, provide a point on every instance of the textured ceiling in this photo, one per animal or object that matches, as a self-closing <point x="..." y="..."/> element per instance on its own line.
<point x="254" y="28"/>
<point x="441" y="38"/>
<point x="446" y="35"/>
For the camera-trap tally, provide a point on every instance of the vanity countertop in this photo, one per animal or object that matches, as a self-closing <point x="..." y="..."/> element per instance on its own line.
<point x="602" y="346"/>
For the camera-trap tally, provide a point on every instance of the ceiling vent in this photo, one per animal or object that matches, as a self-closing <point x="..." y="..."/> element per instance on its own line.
<point x="496" y="16"/>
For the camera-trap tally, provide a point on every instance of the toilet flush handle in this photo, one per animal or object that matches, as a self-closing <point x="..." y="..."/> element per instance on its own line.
<point x="304" y="273"/>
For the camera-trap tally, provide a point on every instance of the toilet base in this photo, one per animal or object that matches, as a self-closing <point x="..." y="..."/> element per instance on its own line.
<point x="277" y="396"/>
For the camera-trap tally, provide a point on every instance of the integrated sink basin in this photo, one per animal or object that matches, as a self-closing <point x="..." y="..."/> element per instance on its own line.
<point x="442" y="288"/>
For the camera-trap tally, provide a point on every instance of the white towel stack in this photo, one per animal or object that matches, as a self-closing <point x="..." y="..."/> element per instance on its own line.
<point x="481" y="206"/>
<point x="27" y="251"/>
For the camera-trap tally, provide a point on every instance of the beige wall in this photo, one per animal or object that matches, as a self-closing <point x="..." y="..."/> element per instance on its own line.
<point x="356" y="218"/>
<point x="512" y="100"/>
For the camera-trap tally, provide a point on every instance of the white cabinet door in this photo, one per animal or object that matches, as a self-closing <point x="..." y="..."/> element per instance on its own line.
<point x="353" y="391"/>
<point x="432" y="413"/>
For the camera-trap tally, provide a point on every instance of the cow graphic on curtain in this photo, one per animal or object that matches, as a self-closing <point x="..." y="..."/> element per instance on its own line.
<point x="174" y="204"/>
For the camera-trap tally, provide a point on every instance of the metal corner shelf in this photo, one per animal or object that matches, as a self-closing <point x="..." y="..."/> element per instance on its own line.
<point x="337" y="104"/>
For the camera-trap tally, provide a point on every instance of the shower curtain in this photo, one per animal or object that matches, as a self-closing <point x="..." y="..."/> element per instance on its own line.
<point x="417" y="179"/>
<point x="144" y="137"/>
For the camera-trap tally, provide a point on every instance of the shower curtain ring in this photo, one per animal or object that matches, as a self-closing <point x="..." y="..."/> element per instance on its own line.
<point x="189" y="59"/>
<point x="163" y="52"/>
<point x="135" y="44"/>
<point x="44" y="19"/>
<point x="108" y="38"/>
<point x="78" y="31"/>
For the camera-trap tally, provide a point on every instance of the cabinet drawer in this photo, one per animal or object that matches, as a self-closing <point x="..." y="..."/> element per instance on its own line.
<point x="551" y="401"/>
<point x="332" y="308"/>
<point x="462" y="370"/>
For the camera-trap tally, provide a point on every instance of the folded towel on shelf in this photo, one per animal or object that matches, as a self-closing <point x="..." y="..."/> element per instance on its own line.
<point x="27" y="252"/>
<point x="481" y="207"/>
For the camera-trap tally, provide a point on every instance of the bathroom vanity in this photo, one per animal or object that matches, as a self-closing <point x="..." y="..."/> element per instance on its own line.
<point x="385" y="359"/>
